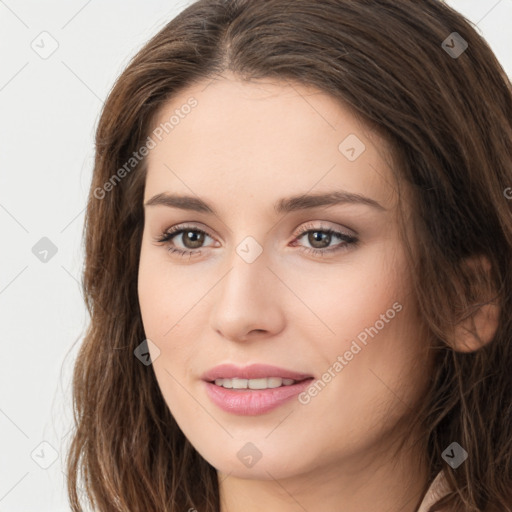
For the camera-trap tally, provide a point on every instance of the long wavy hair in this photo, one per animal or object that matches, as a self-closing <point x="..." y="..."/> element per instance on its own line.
<point x="446" y="112"/>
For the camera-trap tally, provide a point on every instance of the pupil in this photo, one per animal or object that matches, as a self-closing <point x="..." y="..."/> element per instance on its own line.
<point x="194" y="238"/>
<point x="313" y="239"/>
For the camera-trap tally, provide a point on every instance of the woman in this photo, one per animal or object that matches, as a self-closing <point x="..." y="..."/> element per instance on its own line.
<point x="298" y="248"/>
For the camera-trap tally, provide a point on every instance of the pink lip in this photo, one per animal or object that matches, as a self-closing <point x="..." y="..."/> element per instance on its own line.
<point x="247" y="402"/>
<point x="253" y="371"/>
<point x="250" y="402"/>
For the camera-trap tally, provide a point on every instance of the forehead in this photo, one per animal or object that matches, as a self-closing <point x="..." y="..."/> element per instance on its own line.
<point x="260" y="139"/>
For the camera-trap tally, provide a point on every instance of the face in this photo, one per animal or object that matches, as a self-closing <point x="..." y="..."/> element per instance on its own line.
<point x="285" y="264"/>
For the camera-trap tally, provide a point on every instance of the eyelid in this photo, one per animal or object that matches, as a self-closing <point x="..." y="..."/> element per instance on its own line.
<point x="178" y="228"/>
<point x="311" y="226"/>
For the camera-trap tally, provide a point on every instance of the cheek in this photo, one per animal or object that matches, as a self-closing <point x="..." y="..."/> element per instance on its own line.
<point x="166" y="292"/>
<point x="158" y="306"/>
<point x="170" y="304"/>
<point x="352" y="296"/>
<point x="374" y="327"/>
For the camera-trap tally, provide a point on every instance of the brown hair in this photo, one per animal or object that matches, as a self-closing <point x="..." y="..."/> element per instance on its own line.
<point x="448" y="121"/>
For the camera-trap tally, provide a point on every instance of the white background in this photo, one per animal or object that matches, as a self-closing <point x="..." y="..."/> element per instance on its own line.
<point x="49" y="111"/>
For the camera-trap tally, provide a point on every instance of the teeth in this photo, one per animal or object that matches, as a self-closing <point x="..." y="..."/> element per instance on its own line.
<point x="265" y="383"/>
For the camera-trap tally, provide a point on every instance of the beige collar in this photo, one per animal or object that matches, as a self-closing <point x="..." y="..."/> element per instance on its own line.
<point x="437" y="490"/>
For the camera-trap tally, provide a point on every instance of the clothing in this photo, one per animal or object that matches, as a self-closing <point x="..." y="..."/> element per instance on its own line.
<point x="437" y="490"/>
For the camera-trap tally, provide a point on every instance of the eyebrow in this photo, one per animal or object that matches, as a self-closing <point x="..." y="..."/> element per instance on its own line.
<point x="284" y="205"/>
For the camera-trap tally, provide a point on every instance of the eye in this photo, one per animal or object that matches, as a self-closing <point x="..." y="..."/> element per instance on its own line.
<point x="191" y="237"/>
<point x="320" y="239"/>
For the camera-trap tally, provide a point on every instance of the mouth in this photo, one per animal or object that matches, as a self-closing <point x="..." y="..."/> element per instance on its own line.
<point x="253" y="390"/>
<point x="263" y="383"/>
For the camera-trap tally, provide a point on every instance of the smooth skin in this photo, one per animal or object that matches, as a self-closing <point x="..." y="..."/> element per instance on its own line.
<point x="245" y="146"/>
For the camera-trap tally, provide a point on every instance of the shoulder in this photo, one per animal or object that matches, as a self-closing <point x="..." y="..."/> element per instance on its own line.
<point x="440" y="488"/>
<point x="436" y="491"/>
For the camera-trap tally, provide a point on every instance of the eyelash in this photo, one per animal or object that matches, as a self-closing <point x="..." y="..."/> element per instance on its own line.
<point x="348" y="240"/>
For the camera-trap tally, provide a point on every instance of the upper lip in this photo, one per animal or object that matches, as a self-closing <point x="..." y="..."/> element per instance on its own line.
<point x="253" y="371"/>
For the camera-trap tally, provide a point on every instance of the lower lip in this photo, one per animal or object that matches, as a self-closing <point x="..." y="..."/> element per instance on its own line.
<point x="247" y="402"/>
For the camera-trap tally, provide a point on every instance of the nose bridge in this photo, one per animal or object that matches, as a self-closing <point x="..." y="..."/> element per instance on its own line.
<point x="248" y="264"/>
<point x="247" y="300"/>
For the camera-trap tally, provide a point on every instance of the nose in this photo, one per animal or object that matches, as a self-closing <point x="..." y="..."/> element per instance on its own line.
<point x="248" y="302"/>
